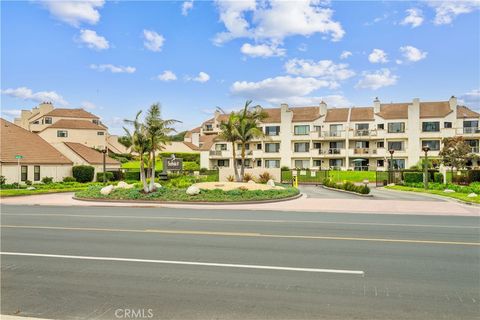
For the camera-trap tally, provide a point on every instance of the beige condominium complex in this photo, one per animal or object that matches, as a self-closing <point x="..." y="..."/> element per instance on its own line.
<point x="357" y="138"/>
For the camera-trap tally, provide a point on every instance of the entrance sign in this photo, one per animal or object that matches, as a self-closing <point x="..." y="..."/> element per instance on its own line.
<point x="172" y="164"/>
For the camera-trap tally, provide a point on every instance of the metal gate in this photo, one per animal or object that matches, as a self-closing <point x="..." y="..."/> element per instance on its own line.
<point x="314" y="177"/>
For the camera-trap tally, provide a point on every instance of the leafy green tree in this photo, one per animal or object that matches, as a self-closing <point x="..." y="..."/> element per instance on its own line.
<point x="455" y="153"/>
<point x="125" y="141"/>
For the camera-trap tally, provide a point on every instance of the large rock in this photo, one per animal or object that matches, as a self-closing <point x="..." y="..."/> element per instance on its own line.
<point x="157" y="185"/>
<point x="123" y="185"/>
<point x="449" y="191"/>
<point x="106" y="190"/>
<point x="31" y="188"/>
<point x="193" y="190"/>
<point x="472" y="195"/>
<point x="271" y="183"/>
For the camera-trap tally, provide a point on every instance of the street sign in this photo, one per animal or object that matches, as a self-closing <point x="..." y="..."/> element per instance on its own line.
<point x="18" y="156"/>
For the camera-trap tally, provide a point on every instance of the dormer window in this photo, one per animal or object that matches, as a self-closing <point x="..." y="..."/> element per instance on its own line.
<point x="48" y="120"/>
<point x="95" y="121"/>
<point x="208" y="127"/>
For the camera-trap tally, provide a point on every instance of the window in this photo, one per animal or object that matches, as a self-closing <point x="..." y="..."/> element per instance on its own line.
<point x="100" y="133"/>
<point x="398" y="164"/>
<point x="36" y="122"/>
<point x="447" y="124"/>
<point x="24" y="173"/>
<point x="220" y="147"/>
<point x="301" y="130"/>
<point x="272" y="163"/>
<point x="272" y="147"/>
<point x="223" y="163"/>
<point x="380" y="144"/>
<point x="302" y="164"/>
<point x="473" y="144"/>
<point x="335" y="163"/>
<point x="259" y="146"/>
<point x="362" y="144"/>
<point x="48" y="120"/>
<point x="317" y="145"/>
<point x="208" y="127"/>
<point x="317" y="163"/>
<point x="381" y="126"/>
<point x="272" y="130"/>
<point x="380" y="163"/>
<point x="395" y="145"/>
<point x="259" y="163"/>
<point x="396" y="127"/>
<point x="432" y="126"/>
<point x="434" y="145"/>
<point x="317" y="128"/>
<point x="470" y="124"/>
<point x="62" y="133"/>
<point x="95" y="121"/>
<point x="336" y="145"/>
<point x="301" y="147"/>
<point x="247" y="162"/>
<point x="36" y="173"/>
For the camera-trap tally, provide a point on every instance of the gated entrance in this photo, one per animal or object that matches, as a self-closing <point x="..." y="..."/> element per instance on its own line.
<point x="305" y="176"/>
<point x="382" y="178"/>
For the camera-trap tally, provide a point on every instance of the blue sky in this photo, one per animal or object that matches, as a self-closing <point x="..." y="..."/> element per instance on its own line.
<point x="115" y="58"/>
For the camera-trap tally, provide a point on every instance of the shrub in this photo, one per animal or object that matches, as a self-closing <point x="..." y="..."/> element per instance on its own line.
<point x="264" y="177"/>
<point x="28" y="182"/>
<point x="438" y="177"/>
<point x="2" y="180"/>
<point x="348" y="186"/>
<point x="243" y="188"/>
<point x="413" y="177"/>
<point x="117" y="175"/>
<point x="473" y="175"/>
<point x="186" y="156"/>
<point x="109" y="176"/>
<point x="83" y="173"/>
<point x="203" y="170"/>
<point x="247" y="177"/>
<point x="284" y="168"/>
<point x="69" y="179"/>
<point x="231" y="178"/>
<point x="132" y="175"/>
<point x="47" y="180"/>
<point x="191" y="166"/>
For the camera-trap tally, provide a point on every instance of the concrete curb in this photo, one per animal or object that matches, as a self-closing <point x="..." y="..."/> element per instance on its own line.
<point x="346" y="191"/>
<point x="297" y="196"/>
<point x="435" y="196"/>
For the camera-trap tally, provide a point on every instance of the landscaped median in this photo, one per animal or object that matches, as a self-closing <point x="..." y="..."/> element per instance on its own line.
<point x="213" y="192"/>
<point x="42" y="188"/>
<point x="362" y="190"/>
<point x="462" y="193"/>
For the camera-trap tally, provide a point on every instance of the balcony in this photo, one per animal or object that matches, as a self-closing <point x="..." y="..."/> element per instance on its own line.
<point x="364" y="151"/>
<point x="469" y="130"/>
<point x="331" y="135"/>
<point x="220" y="153"/>
<point x="365" y="133"/>
<point x="332" y="152"/>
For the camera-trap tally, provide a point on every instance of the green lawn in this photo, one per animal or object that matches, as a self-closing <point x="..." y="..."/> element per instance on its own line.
<point x="135" y="164"/>
<point x="46" y="188"/>
<point x="352" y="176"/>
<point x="456" y="195"/>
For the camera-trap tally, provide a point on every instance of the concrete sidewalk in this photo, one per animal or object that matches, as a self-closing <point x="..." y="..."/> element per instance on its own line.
<point x="303" y="204"/>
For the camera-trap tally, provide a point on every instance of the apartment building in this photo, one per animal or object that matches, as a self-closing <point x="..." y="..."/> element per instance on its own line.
<point x="357" y="138"/>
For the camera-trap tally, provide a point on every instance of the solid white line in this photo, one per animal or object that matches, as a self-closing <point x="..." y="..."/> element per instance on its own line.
<point x="243" y="220"/>
<point x="190" y="263"/>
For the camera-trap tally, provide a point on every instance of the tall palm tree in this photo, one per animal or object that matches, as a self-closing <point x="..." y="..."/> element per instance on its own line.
<point x="249" y="128"/>
<point x="158" y="131"/>
<point x="229" y="133"/>
<point x="140" y="144"/>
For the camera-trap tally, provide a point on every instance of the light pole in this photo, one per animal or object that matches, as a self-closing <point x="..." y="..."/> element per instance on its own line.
<point x="425" y="166"/>
<point x="104" y="151"/>
<point x="390" y="165"/>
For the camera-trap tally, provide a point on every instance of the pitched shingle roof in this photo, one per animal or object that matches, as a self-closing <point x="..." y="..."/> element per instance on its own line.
<point x="361" y="114"/>
<point x="464" y="112"/>
<point x="71" y="113"/>
<point x="190" y="145"/>
<point x="337" y="115"/>
<point x="394" y="111"/>
<point x="75" y="124"/>
<point x="207" y="141"/>
<point x="18" y="141"/>
<point x="434" y="109"/>
<point x="90" y="155"/>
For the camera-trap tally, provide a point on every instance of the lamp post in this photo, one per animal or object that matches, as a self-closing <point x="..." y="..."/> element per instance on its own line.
<point x="425" y="166"/>
<point x="104" y="151"/>
<point x="390" y="165"/>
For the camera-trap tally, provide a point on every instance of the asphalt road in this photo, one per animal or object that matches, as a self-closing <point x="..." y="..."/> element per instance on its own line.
<point x="90" y="262"/>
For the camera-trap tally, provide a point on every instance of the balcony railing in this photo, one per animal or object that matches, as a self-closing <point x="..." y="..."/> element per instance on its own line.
<point x="364" y="133"/>
<point x="470" y="130"/>
<point x="338" y="133"/>
<point x="330" y="151"/>
<point x="216" y="152"/>
<point x="364" y="151"/>
<point x="475" y="150"/>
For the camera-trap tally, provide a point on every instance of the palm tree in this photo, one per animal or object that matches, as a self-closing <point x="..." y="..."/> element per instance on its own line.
<point x="229" y="133"/>
<point x="158" y="131"/>
<point x="249" y="128"/>
<point x="140" y="144"/>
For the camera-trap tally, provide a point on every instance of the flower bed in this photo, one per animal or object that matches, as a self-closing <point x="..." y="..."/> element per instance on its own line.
<point x="347" y="186"/>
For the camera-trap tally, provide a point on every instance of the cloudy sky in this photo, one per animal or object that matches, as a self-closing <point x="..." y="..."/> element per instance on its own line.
<point x="114" y="58"/>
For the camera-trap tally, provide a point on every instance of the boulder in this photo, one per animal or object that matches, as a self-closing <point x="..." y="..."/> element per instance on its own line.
<point x="31" y="188"/>
<point x="122" y="185"/>
<point x="106" y="190"/>
<point x="472" y="195"/>
<point x="251" y="181"/>
<point x="157" y="185"/>
<point x="270" y="183"/>
<point x="449" y="191"/>
<point x="193" y="190"/>
<point x="391" y="184"/>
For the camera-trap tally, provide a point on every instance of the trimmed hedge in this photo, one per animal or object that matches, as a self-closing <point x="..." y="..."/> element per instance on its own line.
<point x="438" y="177"/>
<point x="186" y="156"/>
<point x="69" y="179"/>
<point x="132" y="175"/>
<point x="347" y="186"/>
<point x="109" y="176"/>
<point x="413" y="177"/>
<point x="83" y="173"/>
<point x="473" y="176"/>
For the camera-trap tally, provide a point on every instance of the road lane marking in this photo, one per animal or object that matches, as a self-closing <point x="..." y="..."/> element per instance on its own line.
<point x="246" y="234"/>
<point x="189" y="263"/>
<point x="243" y="220"/>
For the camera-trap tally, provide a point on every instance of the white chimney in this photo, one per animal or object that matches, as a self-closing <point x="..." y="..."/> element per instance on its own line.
<point x="284" y="107"/>
<point x="323" y="108"/>
<point x="376" y="105"/>
<point x="453" y="102"/>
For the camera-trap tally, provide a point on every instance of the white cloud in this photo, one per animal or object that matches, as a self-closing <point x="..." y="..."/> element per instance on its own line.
<point x="112" y="68"/>
<point x="378" y="56"/>
<point x="278" y="88"/>
<point x="25" y="93"/>
<point x="262" y="50"/>
<point x="93" y="40"/>
<point x="11" y="113"/>
<point x="276" y="20"/>
<point x="202" y="77"/>
<point x="345" y="54"/>
<point x="88" y="105"/>
<point x="325" y="69"/>
<point x="74" y="12"/>
<point x="413" y="54"/>
<point x="414" y="17"/>
<point x="186" y="7"/>
<point x="471" y="99"/>
<point x="446" y="11"/>
<point x="153" y="41"/>
<point x="377" y="79"/>
<point x="167" y="75"/>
